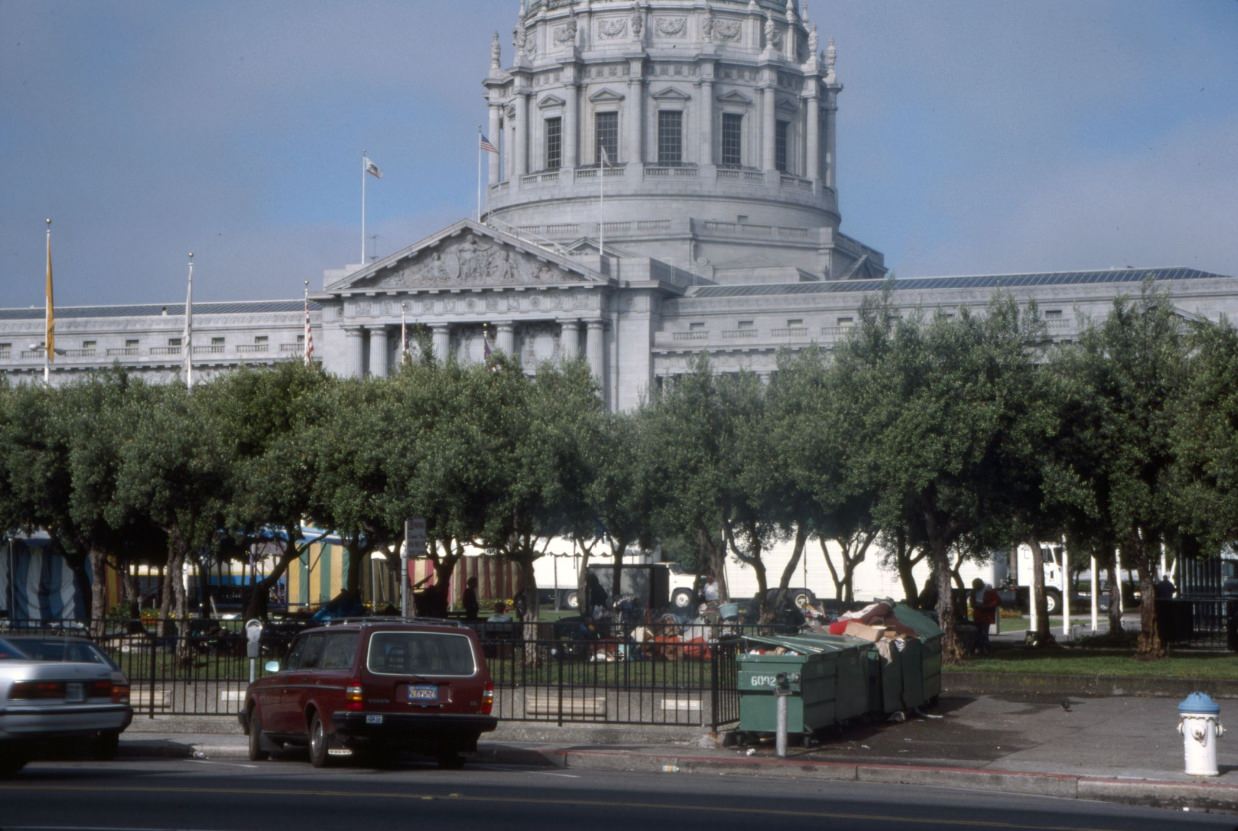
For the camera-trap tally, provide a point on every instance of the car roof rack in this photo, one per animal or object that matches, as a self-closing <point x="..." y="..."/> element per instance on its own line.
<point x="377" y="620"/>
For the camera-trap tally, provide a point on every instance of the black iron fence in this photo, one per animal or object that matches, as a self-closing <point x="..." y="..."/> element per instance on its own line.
<point x="560" y="672"/>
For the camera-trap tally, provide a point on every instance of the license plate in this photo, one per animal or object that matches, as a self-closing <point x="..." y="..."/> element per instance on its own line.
<point x="74" y="691"/>
<point x="423" y="693"/>
<point x="374" y="718"/>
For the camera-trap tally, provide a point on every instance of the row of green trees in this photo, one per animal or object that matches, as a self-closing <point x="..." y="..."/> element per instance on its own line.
<point x="929" y="439"/>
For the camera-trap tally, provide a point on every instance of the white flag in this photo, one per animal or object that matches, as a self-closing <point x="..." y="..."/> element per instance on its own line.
<point x="605" y="158"/>
<point x="371" y="168"/>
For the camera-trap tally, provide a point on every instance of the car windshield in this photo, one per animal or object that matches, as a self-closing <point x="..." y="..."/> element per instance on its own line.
<point x="421" y="653"/>
<point x="55" y="649"/>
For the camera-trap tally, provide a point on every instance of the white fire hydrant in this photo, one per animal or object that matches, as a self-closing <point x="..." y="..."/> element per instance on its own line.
<point x="1199" y="722"/>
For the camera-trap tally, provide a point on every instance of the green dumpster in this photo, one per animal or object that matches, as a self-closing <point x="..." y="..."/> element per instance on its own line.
<point x="826" y="676"/>
<point x="905" y="674"/>
<point x="929" y="635"/>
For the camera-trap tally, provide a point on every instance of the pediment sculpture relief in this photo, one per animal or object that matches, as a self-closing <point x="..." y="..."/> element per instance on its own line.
<point x="473" y="261"/>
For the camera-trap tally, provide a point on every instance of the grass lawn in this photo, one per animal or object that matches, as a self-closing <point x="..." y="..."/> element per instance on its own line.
<point x="1073" y="661"/>
<point x="1102" y="659"/>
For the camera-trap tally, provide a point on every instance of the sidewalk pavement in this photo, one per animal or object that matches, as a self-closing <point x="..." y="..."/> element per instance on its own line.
<point x="1116" y="748"/>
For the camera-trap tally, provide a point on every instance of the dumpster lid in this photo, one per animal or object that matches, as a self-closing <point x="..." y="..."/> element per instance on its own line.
<point x="810" y="644"/>
<point x="1199" y="702"/>
<point x="924" y="625"/>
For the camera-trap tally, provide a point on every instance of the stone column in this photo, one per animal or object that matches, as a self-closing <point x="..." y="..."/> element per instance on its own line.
<point x="569" y="340"/>
<point x="595" y="350"/>
<point x="813" y="138"/>
<point x="520" y="155"/>
<point x="571" y="131"/>
<point x="355" y="339"/>
<point x="705" y="116"/>
<point x="505" y="340"/>
<point x="378" y="352"/>
<point x="440" y="337"/>
<point x="831" y="162"/>
<point x="634" y="110"/>
<point x="494" y="127"/>
<point x="769" y="119"/>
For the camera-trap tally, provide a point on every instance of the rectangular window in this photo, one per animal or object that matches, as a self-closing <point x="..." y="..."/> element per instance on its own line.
<point x="746" y="324"/>
<point x="670" y="137"/>
<point x="554" y="143"/>
<point x="694" y="326"/>
<point x="5" y="349"/>
<point x="420" y="653"/>
<point x="131" y="343"/>
<point x="606" y="128"/>
<point x="1053" y="314"/>
<point x="174" y="342"/>
<point x="780" y="145"/>
<point x="846" y="322"/>
<point x="217" y="341"/>
<point x="732" y="139"/>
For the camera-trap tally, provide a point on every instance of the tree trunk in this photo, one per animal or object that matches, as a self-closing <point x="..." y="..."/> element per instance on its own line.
<point x="1115" y="601"/>
<point x="98" y="591"/>
<point x="1042" y="635"/>
<point x="951" y="649"/>
<point x="715" y="555"/>
<point x="1149" y="644"/>
<point x="801" y="537"/>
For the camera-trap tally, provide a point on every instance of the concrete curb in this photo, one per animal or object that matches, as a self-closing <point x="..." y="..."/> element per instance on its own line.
<point x="1197" y="795"/>
<point x="961" y="682"/>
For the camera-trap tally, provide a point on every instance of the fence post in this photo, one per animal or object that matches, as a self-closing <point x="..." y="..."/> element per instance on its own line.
<point x="153" y="642"/>
<point x="716" y="655"/>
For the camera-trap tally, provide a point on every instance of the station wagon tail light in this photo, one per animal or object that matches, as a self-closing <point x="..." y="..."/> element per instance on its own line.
<point x="353" y="697"/>
<point x="120" y="693"/>
<point x="487" y="698"/>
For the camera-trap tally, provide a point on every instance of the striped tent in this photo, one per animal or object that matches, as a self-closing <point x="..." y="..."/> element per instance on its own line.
<point x="37" y="583"/>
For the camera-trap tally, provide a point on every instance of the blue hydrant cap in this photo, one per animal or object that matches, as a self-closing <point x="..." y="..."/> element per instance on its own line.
<point x="1199" y="702"/>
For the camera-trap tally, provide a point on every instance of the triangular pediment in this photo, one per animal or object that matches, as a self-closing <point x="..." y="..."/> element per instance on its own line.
<point x="671" y="94"/>
<point x="468" y="255"/>
<point x="606" y="94"/>
<point x="735" y="97"/>
<point x="787" y="106"/>
<point x="550" y="102"/>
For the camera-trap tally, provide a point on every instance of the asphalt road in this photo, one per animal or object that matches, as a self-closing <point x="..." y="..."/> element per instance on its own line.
<point x="271" y="796"/>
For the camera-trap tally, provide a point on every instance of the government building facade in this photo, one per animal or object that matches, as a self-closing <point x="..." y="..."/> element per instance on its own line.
<point x="662" y="185"/>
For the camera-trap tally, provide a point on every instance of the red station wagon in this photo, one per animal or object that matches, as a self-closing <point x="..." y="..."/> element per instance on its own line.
<point x="374" y="687"/>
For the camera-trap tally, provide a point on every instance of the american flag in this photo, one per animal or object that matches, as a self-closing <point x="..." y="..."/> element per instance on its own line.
<point x="486" y="145"/>
<point x="309" y="335"/>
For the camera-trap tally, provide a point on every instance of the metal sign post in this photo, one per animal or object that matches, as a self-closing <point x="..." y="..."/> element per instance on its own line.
<point x="414" y="546"/>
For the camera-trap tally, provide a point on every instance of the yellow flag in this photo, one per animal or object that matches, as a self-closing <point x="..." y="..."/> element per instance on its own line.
<point x="50" y="338"/>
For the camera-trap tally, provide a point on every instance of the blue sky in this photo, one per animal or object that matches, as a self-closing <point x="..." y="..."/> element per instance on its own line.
<point x="975" y="136"/>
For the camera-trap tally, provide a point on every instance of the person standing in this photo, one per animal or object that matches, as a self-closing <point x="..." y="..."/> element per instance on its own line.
<point x="984" y="603"/>
<point x="472" y="609"/>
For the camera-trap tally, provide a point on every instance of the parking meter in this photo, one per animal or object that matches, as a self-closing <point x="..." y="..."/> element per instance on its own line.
<point x="253" y="645"/>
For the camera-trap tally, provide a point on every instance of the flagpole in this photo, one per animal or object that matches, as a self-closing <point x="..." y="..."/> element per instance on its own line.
<point x="404" y="356"/>
<point x="189" y="328"/>
<point x="49" y="314"/>
<point x="478" y="174"/>
<point x="601" y="205"/>
<point x="364" y="156"/>
<point x="307" y="339"/>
